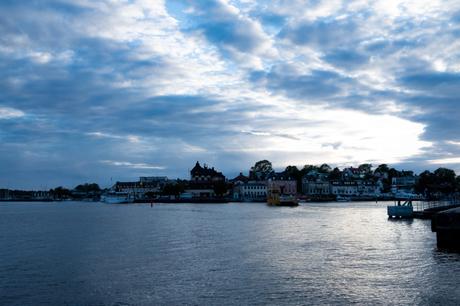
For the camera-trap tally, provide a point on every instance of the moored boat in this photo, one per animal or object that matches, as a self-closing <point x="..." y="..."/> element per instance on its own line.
<point x="342" y="199"/>
<point x="277" y="199"/>
<point x="117" y="198"/>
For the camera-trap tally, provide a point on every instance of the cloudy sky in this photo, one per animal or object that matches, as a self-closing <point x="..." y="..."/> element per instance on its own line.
<point x="93" y="90"/>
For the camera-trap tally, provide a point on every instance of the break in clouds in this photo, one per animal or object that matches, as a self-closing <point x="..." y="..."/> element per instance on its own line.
<point x="98" y="89"/>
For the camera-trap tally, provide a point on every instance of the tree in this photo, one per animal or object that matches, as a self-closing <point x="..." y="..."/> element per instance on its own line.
<point x="88" y="188"/>
<point x="261" y="170"/>
<point x="295" y="173"/>
<point x="292" y="171"/>
<point x="308" y="168"/>
<point x="445" y="180"/>
<point x="335" y="174"/>
<point x="425" y="183"/>
<point x="220" y="188"/>
<point x="392" y="172"/>
<point x="382" y="169"/>
<point x="324" y="168"/>
<point x="173" y="189"/>
<point x="365" y="168"/>
<point x="60" y="193"/>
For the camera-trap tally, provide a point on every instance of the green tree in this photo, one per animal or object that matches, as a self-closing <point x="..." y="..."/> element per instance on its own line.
<point x="445" y="180"/>
<point x="88" y="188"/>
<point x="335" y="174"/>
<point x="324" y="168"/>
<point x="261" y="170"/>
<point x="382" y="169"/>
<point x="365" y="168"/>
<point x="173" y="189"/>
<point x="220" y="188"/>
<point x="295" y="173"/>
<point x="60" y="193"/>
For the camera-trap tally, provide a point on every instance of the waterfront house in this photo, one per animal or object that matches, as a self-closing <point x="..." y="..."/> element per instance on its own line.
<point x="139" y="189"/>
<point x="405" y="184"/>
<point x="355" y="188"/>
<point x="282" y="183"/>
<point x="315" y="184"/>
<point x="344" y="188"/>
<point x="206" y="182"/>
<point x="352" y="173"/>
<point x="250" y="191"/>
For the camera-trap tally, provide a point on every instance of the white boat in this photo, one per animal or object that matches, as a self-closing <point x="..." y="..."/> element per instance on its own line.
<point x="342" y="199"/>
<point x="117" y="198"/>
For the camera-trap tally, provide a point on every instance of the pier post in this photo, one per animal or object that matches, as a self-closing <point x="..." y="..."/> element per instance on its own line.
<point x="446" y="224"/>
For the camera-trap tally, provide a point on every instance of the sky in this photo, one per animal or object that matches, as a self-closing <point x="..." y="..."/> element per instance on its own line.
<point x="95" y="91"/>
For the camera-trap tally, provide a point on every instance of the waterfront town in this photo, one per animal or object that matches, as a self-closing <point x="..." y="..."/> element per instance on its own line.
<point x="310" y="183"/>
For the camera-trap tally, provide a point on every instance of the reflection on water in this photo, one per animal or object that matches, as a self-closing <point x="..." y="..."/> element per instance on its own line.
<point x="325" y="253"/>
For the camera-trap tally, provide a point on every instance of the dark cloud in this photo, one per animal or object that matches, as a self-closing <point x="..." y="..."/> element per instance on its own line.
<point x="316" y="84"/>
<point x="322" y="33"/>
<point x="228" y="30"/>
<point x="347" y="59"/>
<point x="86" y="98"/>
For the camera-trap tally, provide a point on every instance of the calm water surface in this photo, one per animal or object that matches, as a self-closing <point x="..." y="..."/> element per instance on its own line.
<point x="223" y="254"/>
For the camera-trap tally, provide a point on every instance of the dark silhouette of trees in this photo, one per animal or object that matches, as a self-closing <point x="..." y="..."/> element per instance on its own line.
<point x="324" y="168"/>
<point x="88" y="188"/>
<point x="335" y="174"/>
<point x="60" y="193"/>
<point x="382" y="169"/>
<point x="261" y="170"/>
<point x="294" y="173"/>
<point x="173" y="189"/>
<point x="435" y="184"/>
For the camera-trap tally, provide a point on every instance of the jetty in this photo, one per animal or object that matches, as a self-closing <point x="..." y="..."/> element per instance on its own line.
<point x="420" y="209"/>
<point x="428" y="209"/>
<point x="446" y="225"/>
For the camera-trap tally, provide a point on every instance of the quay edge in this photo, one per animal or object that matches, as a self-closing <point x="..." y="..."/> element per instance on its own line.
<point x="446" y="224"/>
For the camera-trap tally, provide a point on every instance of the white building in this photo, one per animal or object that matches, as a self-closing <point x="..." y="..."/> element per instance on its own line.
<point x="139" y="189"/>
<point x="403" y="184"/>
<point x="316" y="187"/>
<point x="251" y="191"/>
<point x="346" y="189"/>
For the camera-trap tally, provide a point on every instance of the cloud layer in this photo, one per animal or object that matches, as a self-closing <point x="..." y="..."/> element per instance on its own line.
<point x="117" y="89"/>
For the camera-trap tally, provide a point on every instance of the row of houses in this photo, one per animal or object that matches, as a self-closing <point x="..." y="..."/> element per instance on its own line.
<point x="315" y="185"/>
<point x="244" y="189"/>
<point x="207" y="183"/>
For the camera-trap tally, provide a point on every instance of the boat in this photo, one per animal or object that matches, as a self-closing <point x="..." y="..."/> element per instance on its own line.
<point x="117" y="198"/>
<point x="275" y="198"/>
<point x="342" y="199"/>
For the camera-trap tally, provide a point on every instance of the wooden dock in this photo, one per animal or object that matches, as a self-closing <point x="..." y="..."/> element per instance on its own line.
<point x="427" y="209"/>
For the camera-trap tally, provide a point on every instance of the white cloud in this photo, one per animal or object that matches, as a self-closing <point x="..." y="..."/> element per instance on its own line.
<point x="10" y="113"/>
<point x="132" y="165"/>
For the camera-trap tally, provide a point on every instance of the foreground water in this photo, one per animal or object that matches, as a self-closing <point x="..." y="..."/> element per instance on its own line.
<point x="332" y="253"/>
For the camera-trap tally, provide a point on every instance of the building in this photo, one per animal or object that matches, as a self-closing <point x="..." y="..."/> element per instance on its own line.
<point x="368" y="188"/>
<point x="403" y="184"/>
<point x="352" y="173"/>
<point x="139" y="189"/>
<point x="282" y="183"/>
<point x="206" y="182"/>
<point x="250" y="191"/>
<point x="344" y="188"/>
<point x="316" y="188"/>
<point x="315" y="184"/>
<point x="357" y="188"/>
<point x="153" y="179"/>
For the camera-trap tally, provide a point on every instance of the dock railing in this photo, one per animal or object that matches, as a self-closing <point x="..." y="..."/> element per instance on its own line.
<point x="420" y="206"/>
